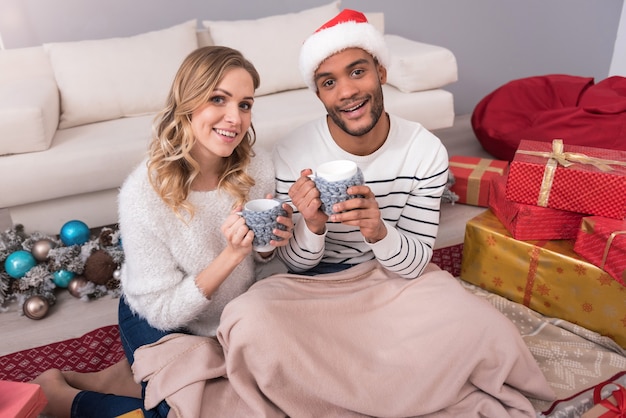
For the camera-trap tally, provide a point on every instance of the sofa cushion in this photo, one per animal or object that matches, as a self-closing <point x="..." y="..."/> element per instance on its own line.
<point x="111" y="78"/>
<point x="377" y="19"/>
<point x="416" y="66"/>
<point x="29" y="115"/>
<point x="82" y="159"/>
<point x="272" y="40"/>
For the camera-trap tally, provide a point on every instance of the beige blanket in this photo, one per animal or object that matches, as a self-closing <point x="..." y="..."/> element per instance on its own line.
<point x="360" y="342"/>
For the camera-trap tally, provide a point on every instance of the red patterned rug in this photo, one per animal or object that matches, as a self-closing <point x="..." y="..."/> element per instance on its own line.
<point x="449" y="259"/>
<point x="91" y="352"/>
<point x="100" y="348"/>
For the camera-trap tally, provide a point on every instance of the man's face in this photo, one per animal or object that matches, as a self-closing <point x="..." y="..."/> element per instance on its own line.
<point x="349" y="84"/>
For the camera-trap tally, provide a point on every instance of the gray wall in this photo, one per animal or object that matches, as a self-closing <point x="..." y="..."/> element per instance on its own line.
<point x="494" y="40"/>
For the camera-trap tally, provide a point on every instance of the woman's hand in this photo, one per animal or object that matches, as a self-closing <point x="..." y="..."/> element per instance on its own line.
<point x="238" y="236"/>
<point x="238" y="247"/>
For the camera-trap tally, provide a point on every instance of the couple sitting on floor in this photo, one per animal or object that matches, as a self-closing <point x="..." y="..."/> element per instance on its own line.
<point x="355" y="321"/>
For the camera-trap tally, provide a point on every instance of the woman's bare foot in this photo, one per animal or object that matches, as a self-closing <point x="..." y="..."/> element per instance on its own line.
<point x="116" y="379"/>
<point x="59" y="393"/>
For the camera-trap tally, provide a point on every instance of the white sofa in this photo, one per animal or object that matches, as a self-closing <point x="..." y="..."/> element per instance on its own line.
<point x="75" y="117"/>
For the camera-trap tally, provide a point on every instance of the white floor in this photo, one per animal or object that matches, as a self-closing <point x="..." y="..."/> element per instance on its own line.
<point x="67" y="318"/>
<point x="71" y="318"/>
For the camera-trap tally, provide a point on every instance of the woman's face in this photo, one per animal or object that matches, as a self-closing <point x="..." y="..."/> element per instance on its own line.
<point x="220" y="125"/>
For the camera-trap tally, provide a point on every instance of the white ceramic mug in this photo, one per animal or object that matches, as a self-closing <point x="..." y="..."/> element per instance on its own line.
<point x="261" y="205"/>
<point x="336" y="170"/>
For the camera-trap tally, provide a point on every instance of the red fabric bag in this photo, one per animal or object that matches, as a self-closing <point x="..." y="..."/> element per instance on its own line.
<point x="542" y="108"/>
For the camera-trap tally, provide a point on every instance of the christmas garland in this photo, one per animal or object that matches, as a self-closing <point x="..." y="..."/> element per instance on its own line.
<point x="33" y="267"/>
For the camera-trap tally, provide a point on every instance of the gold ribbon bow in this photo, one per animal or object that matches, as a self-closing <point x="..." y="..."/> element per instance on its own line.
<point x="566" y="159"/>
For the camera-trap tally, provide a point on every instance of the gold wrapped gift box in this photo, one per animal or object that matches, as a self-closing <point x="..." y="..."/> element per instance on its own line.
<point x="547" y="276"/>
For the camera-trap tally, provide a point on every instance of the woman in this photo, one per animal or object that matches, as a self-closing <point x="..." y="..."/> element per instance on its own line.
<point x="180" y="267"/>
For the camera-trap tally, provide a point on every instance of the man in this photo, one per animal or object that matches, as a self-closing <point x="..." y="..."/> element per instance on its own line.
<point x="405" y="166"/>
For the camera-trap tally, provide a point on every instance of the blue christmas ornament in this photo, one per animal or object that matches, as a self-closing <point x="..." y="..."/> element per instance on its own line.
<point x="74" y="233"/>
<point x="62" y="278"/>
<point x="18" y="263"/>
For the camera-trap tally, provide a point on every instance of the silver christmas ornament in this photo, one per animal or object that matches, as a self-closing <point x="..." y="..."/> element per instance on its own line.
<point x="36" y="307"/>
<point x="41" y="248"/>
<point x="76" y="284"/>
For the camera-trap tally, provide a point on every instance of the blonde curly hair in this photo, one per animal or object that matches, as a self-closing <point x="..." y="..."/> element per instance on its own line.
<point x="170" y="164"/>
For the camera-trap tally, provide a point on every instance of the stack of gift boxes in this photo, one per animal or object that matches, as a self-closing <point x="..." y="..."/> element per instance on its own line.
<point x="554" y="235"/>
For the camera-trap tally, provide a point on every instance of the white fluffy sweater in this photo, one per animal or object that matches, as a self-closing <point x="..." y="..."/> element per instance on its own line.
<point x="163" y="255"/>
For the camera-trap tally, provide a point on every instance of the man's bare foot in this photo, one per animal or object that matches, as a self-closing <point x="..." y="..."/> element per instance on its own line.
<point x="59" y="393"/>
<point x="116" y="379"/>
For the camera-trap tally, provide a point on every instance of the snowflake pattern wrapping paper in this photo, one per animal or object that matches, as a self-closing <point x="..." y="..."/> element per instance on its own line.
<point x="546" y="276"/>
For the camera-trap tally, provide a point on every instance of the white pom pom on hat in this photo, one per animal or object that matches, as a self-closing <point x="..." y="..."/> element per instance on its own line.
<point x="349" y="29"/>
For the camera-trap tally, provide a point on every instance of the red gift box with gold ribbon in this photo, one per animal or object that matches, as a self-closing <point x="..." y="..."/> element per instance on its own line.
<point x="569" y="177"/>
<point x="472" y="176"/>
<point x="530" y="222"/>
<point x="603" y="242"/>
<point x="547" y="276"/>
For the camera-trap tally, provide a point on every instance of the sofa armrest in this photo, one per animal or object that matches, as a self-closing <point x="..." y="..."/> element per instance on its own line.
<point x="417" y="66"/>
<point x="29" y="115"/>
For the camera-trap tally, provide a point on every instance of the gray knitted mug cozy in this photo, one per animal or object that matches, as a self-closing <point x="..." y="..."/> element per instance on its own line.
<point x="332" y="192"/>
<point x="262" y="223"/>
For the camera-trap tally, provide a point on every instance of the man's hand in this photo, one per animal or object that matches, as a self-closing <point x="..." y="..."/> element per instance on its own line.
<point x="287" y="222"/>
<point x="306" y="198"/>
<point x="362" y="212"/>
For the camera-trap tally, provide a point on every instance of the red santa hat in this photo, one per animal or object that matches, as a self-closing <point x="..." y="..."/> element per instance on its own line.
<point x="349" y="29"/>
